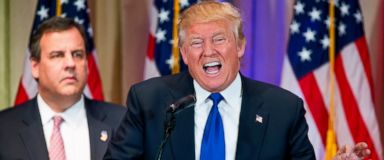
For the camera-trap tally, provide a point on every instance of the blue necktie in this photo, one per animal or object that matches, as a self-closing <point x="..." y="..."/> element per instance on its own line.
<point x="213" y="144"/>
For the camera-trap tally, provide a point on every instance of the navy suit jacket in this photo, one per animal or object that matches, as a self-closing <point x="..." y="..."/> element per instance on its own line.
<point x="281" y="134"/>
<point x="22" y="135"/>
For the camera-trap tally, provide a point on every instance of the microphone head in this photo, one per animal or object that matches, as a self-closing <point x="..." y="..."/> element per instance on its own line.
<point x="184" y="102"/>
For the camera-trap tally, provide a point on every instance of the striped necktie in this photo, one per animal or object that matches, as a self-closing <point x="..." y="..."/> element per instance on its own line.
<point x="56" y="144"/>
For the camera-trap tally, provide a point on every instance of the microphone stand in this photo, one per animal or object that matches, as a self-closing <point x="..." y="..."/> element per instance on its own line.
<point x="168" y="125"/>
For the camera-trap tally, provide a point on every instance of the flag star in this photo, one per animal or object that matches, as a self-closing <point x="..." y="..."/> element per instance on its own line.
<point x="164" y="15"/>
<point x="160" y="35"/>
<point x="43" y="12"/>
<point x="327" y="22"/>
<point x="344" y="9"/>
<point x="336" y="3"/>
<point x="341" y="29"/>
<point x="309" y="35"/>
<point x="299" y="8"/>
<point x="170" y="62"/>
<point x="79" y="21"/>
<point x="63" y="15"/>
<point x="80" y="4"/>
<point x="183" y="3"/>
<point x="295" y="27"/>
<point x="305" y="55"/>
<point x="171" y="42"/>
<point x="358" y="16"/>
<point x="64" y="2"/>
<point x="325" y="42"/>
<point x="315" y="14"/>
<point x="90" y="31"/>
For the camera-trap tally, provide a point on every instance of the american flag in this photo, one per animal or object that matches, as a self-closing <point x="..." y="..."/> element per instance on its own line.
<point x="161" y="59"/>
<point x="306" y="73"/>
<point x="78" y="10"/>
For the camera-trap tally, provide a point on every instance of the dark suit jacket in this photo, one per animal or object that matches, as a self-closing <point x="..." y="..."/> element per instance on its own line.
<point x="22" y="135"/>
<point x="282" y="134"/>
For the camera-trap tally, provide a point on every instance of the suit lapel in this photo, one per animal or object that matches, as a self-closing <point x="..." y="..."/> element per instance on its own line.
<point x="32" y="134"/>
<point x="99" y="132"/>
<point x="182" y="141"/>
<point x="253" y="124"/>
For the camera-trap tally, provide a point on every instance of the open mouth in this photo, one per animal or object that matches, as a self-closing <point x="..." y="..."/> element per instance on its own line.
<point x="212" y="67"/>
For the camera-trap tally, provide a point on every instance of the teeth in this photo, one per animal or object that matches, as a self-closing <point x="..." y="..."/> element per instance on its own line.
<point x="211" y="64"/>
<point x="212" y="67"/>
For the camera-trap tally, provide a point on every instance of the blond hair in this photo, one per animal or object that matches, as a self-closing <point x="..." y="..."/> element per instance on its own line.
<point x="209" y="11"/>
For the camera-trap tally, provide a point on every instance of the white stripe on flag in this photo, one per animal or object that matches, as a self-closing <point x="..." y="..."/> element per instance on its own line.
<point x="28" y="82"/>
<point x="358" y="81"/>
<point x="290" y="83"/>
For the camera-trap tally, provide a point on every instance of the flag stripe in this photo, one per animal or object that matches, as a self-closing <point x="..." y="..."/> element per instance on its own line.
<point x="361" y="45"/>
<point x="354" y="119"/>
<point x="315" y="103"/>
<point x="151" y="47"/>
<point x="94" y="82"/>
<point x="22" y="94"/>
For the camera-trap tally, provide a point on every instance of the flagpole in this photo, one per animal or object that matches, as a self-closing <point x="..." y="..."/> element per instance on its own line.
<point x="175" y="48"/>
<point x="331" y="146"/>
<point x="58" y="7"/>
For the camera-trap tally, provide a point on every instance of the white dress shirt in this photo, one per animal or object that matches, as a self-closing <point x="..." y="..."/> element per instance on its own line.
<point x="74" y="129"/>
<point x="229" y="109"/>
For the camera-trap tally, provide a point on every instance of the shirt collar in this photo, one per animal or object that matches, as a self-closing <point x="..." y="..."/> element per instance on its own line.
<point x="231" y="94"/>
<point x="71" y="116"/>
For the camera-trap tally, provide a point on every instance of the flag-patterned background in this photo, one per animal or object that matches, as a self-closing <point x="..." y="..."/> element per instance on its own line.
<point x="160" y="59"/>
<point x="77" y="10"/>
<point x="121" y="30"/>
<point x="306" y="73"/>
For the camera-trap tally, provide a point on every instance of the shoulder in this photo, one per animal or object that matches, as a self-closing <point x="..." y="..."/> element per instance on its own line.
<point x="266" y="90"/>
<point x="273" y="98"/>
<point x="16" y="112"/>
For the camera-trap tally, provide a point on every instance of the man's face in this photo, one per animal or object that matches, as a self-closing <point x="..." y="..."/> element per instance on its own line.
<point x="212" y="54"/>
<point x="62" y="70"/>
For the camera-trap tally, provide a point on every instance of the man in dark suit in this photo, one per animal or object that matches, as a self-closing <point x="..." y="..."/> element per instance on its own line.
<point x="234" y="117"/>
<point x="60" y="122"/>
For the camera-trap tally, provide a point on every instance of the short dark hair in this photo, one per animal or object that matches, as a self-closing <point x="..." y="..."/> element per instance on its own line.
<point x="54" y="24"/>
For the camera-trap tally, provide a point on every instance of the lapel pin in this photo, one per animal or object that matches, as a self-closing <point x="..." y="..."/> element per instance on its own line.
<point x="104" y="136"/>
<point x="259" y="118"/>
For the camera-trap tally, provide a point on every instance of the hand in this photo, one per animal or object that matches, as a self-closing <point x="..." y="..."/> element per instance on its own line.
<point x="357" y="152"/>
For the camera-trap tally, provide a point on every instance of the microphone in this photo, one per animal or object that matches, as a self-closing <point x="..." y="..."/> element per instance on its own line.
<point x="174" y="108"/>
<point x="184" y="102"/>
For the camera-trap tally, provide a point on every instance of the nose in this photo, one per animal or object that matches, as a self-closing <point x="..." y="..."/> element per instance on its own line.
<point x="69" y="61"/>
<point x="209" y="49"/>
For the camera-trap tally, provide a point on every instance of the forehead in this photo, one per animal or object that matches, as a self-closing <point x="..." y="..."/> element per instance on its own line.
<point x="70" y="37"/>
<point x="204" y="29"/>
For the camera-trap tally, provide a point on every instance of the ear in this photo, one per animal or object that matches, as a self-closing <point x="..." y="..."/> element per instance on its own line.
<point x="241" y="49"/>
<point x="184" y="54"/>
<point x="35" y="68"/>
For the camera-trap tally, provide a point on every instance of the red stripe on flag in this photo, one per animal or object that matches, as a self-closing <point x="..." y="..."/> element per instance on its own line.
<point x="94" y="81"/>
<point x="355" y="121"/>
<point x="316" y="105"/>
<point x="151" y="47"/>
<point x="22" y="95"/>
<point x="361" y="45"/>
